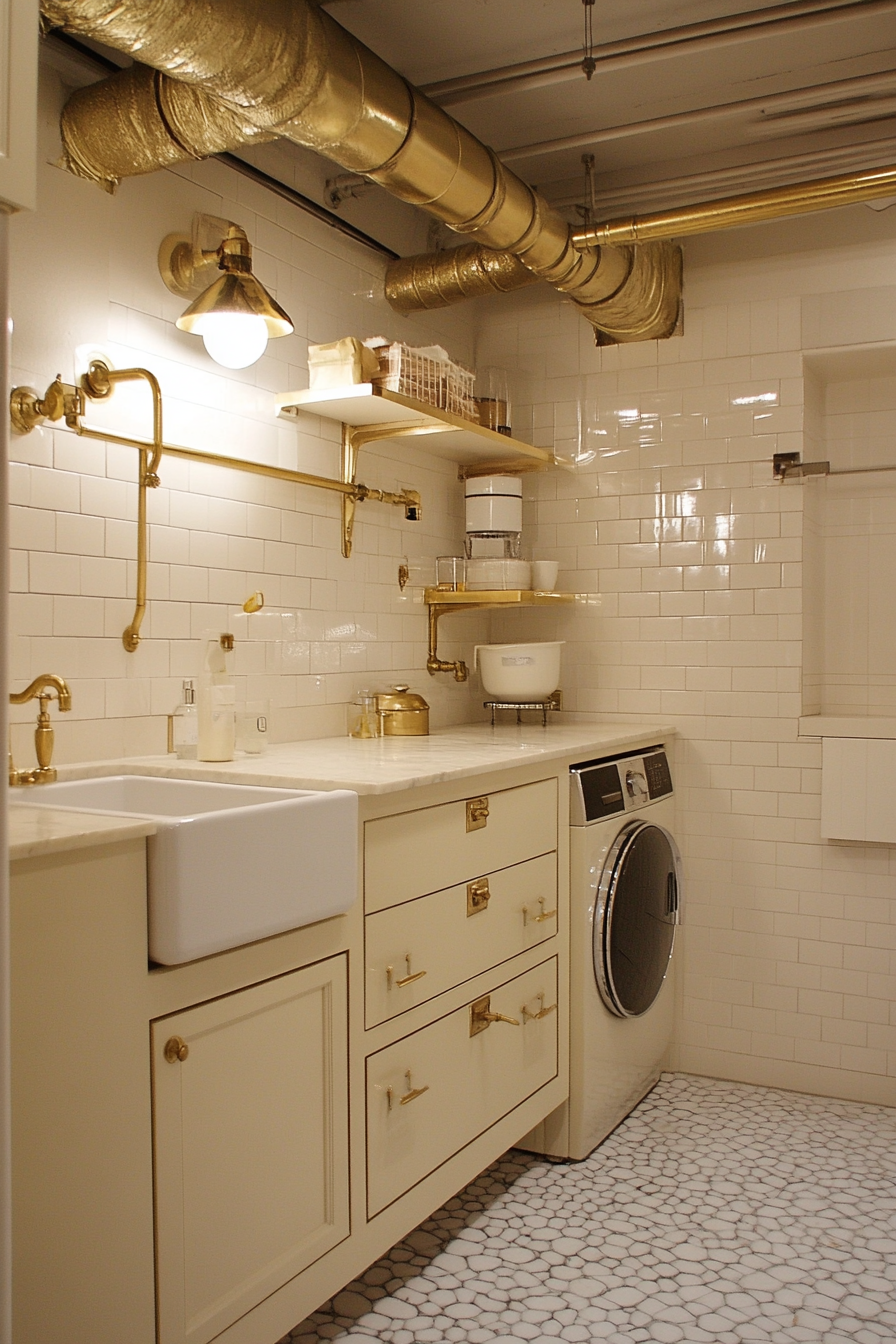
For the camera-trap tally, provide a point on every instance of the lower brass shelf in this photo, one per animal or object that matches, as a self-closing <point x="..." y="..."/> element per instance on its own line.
<point x="442" y="602"/>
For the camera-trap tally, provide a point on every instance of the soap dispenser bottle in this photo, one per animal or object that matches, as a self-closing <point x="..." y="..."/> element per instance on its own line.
<point x="185" y="725"/>
<point x="217" y="700"/>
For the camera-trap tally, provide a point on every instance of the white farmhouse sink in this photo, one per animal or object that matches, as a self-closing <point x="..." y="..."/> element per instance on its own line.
<point x="229" y="863"/>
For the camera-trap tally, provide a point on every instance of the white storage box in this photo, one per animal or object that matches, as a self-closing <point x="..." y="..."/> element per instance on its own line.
<point x="340" y="364"/>
<point x="519" y="672"/>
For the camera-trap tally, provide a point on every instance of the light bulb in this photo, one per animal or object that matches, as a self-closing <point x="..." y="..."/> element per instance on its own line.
<point x="235" y="340"/>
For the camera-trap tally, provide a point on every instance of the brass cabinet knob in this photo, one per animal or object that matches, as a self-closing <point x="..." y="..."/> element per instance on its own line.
<point x="481" y="1016"/>
<point x="478" y="896"/>
<point x="176" y="1050"/>
<point x="477" y="813"/>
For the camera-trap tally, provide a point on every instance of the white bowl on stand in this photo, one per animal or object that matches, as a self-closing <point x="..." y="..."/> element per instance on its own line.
<point x="518" y="673"/>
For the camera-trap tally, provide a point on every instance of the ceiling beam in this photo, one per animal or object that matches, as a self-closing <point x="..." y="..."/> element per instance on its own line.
<point x="845" y="100"/>
<point x="795" y="16"/>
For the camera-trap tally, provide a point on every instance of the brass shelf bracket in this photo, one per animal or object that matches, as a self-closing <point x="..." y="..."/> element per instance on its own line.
<point x="354" y="437"/>
<point x="443" y="603"/>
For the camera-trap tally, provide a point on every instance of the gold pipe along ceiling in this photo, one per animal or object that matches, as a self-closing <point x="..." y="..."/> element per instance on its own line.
<point x="436" y="279"/>
<point x="230" y="73"/>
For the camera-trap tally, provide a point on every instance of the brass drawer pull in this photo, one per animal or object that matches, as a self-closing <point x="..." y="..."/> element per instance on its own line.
<point x="405" y="979"/>
<point x="540" y="918"/>
<point x="411" y="1095"/>
<point x="176" y="1050"/>
<point x="477" y="813"/>
<point x="542" y="1011"/>
<point x="481" y="1016"/>
<point x="478" y="896"/>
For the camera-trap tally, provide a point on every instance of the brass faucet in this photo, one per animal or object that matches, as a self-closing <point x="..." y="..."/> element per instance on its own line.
<point x="40" y="690"/>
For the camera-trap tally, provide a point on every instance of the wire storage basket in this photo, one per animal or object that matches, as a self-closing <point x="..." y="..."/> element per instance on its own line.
<point x="427" y="374"/>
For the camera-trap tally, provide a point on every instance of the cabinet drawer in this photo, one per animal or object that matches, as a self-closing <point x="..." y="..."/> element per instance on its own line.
<point x="417" y="852"/>
<point x="433" y="1092"/>
<point x="419" y="949"/>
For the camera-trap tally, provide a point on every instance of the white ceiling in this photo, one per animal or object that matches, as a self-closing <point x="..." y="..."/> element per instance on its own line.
<point x="767" y="142"/>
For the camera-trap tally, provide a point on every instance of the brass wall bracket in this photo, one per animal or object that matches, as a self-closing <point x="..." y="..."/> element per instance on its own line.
<point x="353" y="440"/>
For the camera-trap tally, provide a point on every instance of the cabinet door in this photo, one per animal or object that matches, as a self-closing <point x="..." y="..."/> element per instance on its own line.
<point x="432" y="1093"/>
<point x="251" y="1143"/>
<point x="420" y="949"/>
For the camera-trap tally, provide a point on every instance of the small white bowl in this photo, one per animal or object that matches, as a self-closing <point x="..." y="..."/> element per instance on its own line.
<point x="519" y="672"/>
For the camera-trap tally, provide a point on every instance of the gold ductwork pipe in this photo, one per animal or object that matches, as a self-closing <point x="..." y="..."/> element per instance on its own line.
<point x="229" y="72"/>
<point x="732" y="212"/>
<point x="646" y="304"/>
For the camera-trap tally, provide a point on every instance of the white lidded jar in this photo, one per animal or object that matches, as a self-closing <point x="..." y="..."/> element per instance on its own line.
<point x="217" y="699"/>
<point x="494" y="505"/>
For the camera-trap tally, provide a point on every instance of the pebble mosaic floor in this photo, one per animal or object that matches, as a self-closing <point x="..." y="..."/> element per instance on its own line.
<point x="715" y="1212"/>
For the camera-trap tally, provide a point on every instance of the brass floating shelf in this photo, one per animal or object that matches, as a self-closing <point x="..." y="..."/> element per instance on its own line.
<point x="372" y="414"/>
<point x="442" y="602"/>
<point x="496" y="597"/>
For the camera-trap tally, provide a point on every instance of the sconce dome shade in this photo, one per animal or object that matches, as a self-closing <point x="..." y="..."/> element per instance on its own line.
<point x="234" y="293"/>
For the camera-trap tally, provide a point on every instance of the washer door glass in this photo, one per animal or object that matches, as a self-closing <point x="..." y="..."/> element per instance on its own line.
<point x="635" y="918"/>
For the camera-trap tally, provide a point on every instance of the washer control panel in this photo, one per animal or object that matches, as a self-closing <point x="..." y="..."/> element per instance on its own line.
<point x="605" y="787"/>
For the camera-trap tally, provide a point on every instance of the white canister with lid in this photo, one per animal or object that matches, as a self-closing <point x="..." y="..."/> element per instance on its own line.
<point x="494" y="504"/>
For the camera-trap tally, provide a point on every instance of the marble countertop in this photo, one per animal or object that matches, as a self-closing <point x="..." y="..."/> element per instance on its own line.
<point x="35" y="831"/>
<point x="388" y="765"/>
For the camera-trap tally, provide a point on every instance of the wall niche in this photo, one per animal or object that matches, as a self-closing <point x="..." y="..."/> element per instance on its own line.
<point x="849" y="547"/>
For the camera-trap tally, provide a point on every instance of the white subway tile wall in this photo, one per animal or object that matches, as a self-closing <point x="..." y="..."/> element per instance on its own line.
<point x="668" y="511"/>
<point x="85" y="279"/>
<point x="666" y="515"/>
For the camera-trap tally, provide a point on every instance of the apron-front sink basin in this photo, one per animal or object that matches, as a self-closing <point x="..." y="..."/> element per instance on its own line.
<point x="229" y="863"/>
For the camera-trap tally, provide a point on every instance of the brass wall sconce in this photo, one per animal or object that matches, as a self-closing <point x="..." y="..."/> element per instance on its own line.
<point x="231" y="310"/>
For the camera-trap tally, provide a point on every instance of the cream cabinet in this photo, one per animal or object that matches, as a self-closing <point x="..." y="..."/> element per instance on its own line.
<point x="209" y="1151"/>
<point x="432" y="1092"/>
<point x="251" y="1145"/>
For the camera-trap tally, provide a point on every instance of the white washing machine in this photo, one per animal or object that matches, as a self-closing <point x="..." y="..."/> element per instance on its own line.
<point x="625" y="894"/>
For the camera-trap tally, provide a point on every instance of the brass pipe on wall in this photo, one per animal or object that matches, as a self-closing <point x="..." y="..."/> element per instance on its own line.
<point x="65" y="401"/>
<point x="731" y="212"/>
<point x="229" y="71"/>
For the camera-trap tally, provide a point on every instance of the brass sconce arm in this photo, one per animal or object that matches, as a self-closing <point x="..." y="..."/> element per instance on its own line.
<point x="40" y="690"/>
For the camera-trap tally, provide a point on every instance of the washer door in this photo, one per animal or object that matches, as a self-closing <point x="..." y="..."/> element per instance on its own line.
<point x="635" y="917"/>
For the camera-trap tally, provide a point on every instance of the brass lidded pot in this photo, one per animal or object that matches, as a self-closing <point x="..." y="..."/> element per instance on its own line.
<point x="402" y="713"/>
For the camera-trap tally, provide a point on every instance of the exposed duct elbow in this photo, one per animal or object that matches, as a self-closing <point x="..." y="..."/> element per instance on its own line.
<point x="234" y="71"/>
<point x="643" y="306"/>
